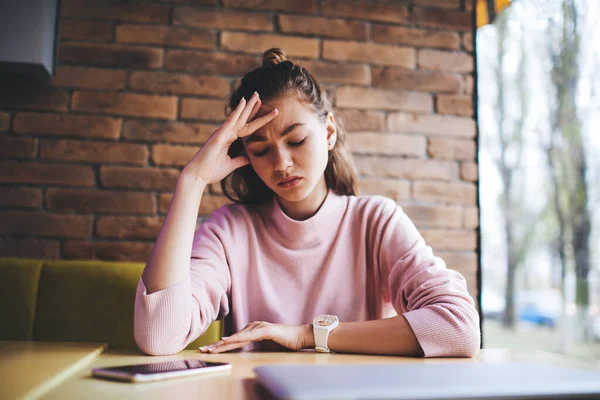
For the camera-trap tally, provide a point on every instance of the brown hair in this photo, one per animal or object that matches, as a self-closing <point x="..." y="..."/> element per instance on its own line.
<point x="276" y="77"/>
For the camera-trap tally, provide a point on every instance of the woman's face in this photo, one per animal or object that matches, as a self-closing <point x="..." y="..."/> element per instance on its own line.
<point x="290" y="153"/>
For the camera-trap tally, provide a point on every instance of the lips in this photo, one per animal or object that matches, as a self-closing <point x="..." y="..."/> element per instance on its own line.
<point x="289" y="182"/>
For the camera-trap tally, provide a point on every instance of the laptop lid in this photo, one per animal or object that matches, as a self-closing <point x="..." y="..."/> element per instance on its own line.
<point x="428" y="381"/>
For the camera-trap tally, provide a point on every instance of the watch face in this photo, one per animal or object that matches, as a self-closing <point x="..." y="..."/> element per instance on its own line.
<point x="325" y="320"/>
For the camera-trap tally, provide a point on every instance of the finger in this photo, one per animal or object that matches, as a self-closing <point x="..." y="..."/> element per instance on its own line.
<point x="255" y="110"/>
<point x="235" y="114"/>
<point x="247" y="110"/>
<point x="239" y="162"/>
<point x="228" y="347"/>
<point x="251" y="335"/>
<point x="258" y="123"/>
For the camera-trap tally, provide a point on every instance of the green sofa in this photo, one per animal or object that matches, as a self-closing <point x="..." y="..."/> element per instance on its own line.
<point x="74" y="301"/>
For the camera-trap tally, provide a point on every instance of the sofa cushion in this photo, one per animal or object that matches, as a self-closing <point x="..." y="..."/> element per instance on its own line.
<point x="18" y="291"/>
<point x="93" y="301"/>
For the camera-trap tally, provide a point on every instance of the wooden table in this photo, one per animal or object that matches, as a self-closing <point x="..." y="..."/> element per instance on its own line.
<point x="240" y="382"/>
<point x="30" y="369"/>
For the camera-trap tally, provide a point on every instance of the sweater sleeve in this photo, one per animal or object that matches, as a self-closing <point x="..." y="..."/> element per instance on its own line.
<point x="433" y="299"/>
<point x="166" y="321"/>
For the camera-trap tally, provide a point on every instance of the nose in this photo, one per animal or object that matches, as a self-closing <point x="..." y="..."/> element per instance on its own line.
<point x="282" y="159"/>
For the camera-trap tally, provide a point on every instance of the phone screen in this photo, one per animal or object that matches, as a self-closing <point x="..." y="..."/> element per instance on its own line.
<point x="159" y="370"/>
<point x="167" y="366"/>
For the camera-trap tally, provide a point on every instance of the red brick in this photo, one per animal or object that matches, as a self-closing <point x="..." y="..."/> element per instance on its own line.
<point x="435" y="125"/>
<point x="202" y="109"/>
<point x="374" y="53"/>
<point x="370" y="98"/>
<point x="445" y="192"/>
<point x="166" y="154"/>
<point x="27" y="247"/>
<point x="388" y="144"/>
<point x="92" y="31"/>
<point x="128" y="104"/>
<point x="467" y="42"/>
<point x="211" y="62"/>
<point x="110" y="55"/>
<point x="129" y="227"/>
<point x="166" y="35"/>
<point x="4" y="121"/>
<point x="15" y="147"/>
<point x="366" y="10"/>
<point x="327" y="72"/>
<point x="325" y="27"/>
<point x="100" y="201"/>
<point x="465" y="262"/>
<point x="139" y="178"/>
<point x="426" y="81"/>
<point x="20" y="197"/>
<point x="117" y="10"/>
<point x="221" y="20"/>
<point x="45" y="224"/>
<point x="445" y="61"/>
<point x="415" y="37"/>
<point x="48" y="174"/>
<point x="452" y="149"/>
<point x="172" y="132"/>
<point x="455" y="105"/>
<point x="304" y="6"/>
<point x="109" y="251"/>
<point x="391" y="188"/>
<point x="434" y="216"/>
<point x="89" y="78"/>
<point x="29" y="96"/>
<point x="360" y="120"/>
<point x="471" y="220"/>
<point x="387" y="167"/>
<point x="439" y="3"/>
<point x="94" y="152"/>
<point x="439" y="18"/>
<point x="165" y="82"/>
<point x="468" y="85"/>
<point x="208" y="204"/>
<point x="446" y="239"/>
<point x="67" y="125"/>
<point x="469" y="171"/>
<point x="257" y="43"/>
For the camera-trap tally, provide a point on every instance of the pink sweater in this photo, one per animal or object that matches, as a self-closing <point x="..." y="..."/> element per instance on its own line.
<point x="360" y="258"/>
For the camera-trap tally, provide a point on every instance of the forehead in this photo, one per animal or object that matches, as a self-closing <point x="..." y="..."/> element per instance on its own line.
<point x="291" y="110"/>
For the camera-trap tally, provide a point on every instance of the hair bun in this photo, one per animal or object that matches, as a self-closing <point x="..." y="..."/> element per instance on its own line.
<point x="274" y="56"/>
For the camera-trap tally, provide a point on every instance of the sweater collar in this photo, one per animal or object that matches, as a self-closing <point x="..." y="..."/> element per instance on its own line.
<point x="310" y="232"/>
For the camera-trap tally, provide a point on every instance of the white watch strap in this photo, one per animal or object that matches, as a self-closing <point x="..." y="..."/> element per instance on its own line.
<point x="321" y="337"/>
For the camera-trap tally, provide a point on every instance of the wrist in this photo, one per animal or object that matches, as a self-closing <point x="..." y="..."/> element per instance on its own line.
<point x="189" y="178"/>
<point x="308" y="335"/>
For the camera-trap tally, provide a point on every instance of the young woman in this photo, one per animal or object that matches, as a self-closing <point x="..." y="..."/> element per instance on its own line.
<point x="300" y="261"/>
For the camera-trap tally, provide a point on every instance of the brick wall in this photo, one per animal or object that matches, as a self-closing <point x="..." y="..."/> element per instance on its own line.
<point x="88" y="162"/>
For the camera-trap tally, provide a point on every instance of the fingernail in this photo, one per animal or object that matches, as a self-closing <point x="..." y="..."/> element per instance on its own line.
<point x="275" y="111"/>
<point x="203" y="348"/>
<point x="225" y="337"/>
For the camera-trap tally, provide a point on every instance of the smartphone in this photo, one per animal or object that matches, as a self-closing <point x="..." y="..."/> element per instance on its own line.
<point x="160" y="370"/>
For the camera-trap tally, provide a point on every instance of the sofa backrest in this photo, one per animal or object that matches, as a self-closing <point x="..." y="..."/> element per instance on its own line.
<point x="75" y="301"/>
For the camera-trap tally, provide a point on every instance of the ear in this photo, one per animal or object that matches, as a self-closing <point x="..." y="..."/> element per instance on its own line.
<point x="331" y="130"/>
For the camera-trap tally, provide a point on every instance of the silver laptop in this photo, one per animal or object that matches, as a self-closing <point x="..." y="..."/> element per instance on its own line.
<point x="428" y="381"/>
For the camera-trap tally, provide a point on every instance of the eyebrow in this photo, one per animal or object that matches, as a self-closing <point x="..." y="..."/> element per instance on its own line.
<point x="259" y="138"/>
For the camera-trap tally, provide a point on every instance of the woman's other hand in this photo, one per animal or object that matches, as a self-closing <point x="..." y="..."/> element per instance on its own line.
<point x="212" y="163"/>
<point x="293" y="337"/>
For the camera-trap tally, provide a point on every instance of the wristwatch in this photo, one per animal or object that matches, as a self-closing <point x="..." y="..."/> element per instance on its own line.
<point x="321" y="327"/>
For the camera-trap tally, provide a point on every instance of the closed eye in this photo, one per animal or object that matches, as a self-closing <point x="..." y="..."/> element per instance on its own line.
<point x="296" y="144"/>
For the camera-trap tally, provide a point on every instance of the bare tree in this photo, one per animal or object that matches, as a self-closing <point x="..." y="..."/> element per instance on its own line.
<point x="509" y="164"/>
<point x="567" y="156"/>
